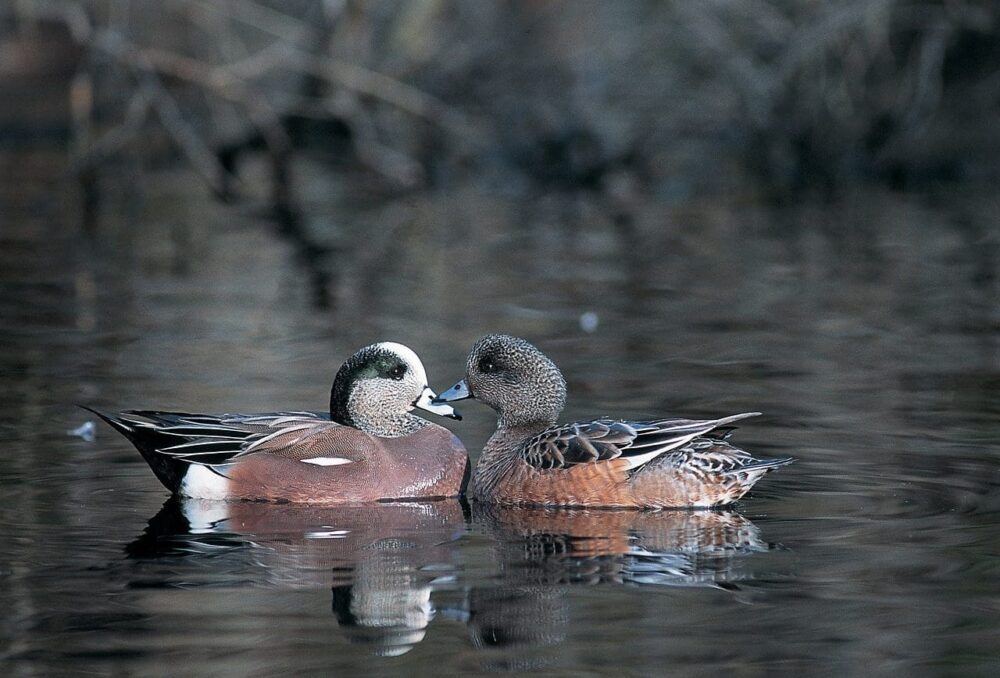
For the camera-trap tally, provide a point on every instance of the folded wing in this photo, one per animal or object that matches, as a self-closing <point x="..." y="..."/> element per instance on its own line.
<point x="212" y="440"/>
<point x="562" y="447"/>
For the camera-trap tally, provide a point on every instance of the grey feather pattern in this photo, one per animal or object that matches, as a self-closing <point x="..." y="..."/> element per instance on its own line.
<point x="211" y="440"/>
<point x="561" y="447"/>
<point x="709" y="456"/>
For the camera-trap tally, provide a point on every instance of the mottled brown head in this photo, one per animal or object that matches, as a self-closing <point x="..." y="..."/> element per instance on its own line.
<point x="515" y="379"/>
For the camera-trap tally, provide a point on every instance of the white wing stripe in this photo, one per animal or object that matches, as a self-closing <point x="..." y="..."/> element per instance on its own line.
<point x="327" y="461"/>
<point x="281" y="431"/>
<point x="637" y="460"/>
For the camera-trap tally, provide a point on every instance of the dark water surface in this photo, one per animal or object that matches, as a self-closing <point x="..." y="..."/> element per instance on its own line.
<point x="867" y="331"/>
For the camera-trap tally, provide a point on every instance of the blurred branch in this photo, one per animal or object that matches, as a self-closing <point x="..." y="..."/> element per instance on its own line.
<point x="392" y="91"/>
<point x="91" y="153"/>
<point x="787" y="90"/>
<point x="354" y="77"/>
<point x="286" y="28"/>
<point x="233" y="82"/>
<point x="198" y="153"/>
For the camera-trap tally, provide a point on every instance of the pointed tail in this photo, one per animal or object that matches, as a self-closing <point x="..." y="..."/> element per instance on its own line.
<point x="168" y="470"/>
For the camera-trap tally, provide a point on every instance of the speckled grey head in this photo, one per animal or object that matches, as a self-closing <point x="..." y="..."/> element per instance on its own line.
<point x="515" y="379"/>
<point x="377" y="387"/>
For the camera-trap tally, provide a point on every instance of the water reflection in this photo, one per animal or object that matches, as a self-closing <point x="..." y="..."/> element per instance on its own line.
<point x="382" y="561"/>
<point x="386" y="563"/>
<point x="578" y="546"/>
<point x="540" y="552"/>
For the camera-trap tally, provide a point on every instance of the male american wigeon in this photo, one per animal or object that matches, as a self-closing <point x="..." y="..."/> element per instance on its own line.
<point x="370" y="448"/>
<point x="606" y="462"/>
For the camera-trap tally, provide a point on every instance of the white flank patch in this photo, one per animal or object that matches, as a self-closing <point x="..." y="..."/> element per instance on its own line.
<point x="327" y="461"/>
<point x="200" y="482"/>
<point x="280" y="432"/>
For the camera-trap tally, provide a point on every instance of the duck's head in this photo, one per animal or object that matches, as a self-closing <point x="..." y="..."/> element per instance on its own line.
<point x="513" y="377"/>
<point x="378" y="384"/>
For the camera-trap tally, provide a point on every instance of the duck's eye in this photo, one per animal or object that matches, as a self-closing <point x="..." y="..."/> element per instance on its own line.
<point x="488" y="366"/>
<point x="397" y="371"/>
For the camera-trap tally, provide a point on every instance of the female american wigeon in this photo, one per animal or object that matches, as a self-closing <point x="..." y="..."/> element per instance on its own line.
<point x="606" y="462"/>
<point x="370" y="448"/>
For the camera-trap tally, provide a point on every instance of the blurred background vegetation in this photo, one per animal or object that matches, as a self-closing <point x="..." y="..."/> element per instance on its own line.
<point x="783" y="98"/>
<point x="546" y="158"/>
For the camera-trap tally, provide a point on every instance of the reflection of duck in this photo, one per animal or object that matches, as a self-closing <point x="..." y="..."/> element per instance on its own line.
<point x="388" y="605"/>
<point x="386" y="559"/>
<point x="681" y="547"/>
<point x="394" y="565"/>
<point x="541" y="550"/>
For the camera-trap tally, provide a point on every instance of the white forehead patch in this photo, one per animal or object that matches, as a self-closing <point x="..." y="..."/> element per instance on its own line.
<point x="407" y="355"/>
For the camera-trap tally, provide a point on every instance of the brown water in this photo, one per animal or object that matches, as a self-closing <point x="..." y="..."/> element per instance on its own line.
<point x="867" y="330"/>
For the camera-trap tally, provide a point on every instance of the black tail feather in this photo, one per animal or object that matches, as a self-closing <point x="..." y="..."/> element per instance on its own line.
<point x="168" y="470"/>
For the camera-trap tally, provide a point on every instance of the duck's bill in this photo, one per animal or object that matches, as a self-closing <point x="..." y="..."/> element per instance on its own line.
<point x="459" y="391"/>
<point x="430" y="402"/>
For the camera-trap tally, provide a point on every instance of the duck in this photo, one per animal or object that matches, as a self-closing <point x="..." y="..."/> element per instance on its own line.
<point x="612" y="463"/>
<point x="369" y="447"/>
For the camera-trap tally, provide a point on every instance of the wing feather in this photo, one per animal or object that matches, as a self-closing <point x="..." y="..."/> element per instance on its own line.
<point x="638" y="443"/>
<point x="212" y="440"/>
